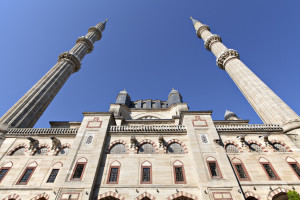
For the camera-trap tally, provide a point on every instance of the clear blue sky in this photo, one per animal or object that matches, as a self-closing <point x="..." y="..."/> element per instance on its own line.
<point x="149" y="47"/>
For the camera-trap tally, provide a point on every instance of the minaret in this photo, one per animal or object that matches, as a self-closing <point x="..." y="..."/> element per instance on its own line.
<point x="270" y="108"/>
<point x="26" y="112"/>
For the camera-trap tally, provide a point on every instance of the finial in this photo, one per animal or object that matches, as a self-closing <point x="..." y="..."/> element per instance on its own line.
<point x="172" y="88"/>
<point x="124" y="90"/>
<point x="191" y="17"/>
<point x="106" y="19"/>
<point x="193" y="20"/>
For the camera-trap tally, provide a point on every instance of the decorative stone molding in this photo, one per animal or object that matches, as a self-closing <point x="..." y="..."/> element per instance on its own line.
<point x="145" y="194"/>
<point x="43" y="195"/>
<point x="12" y="151"/>
<point x="111" y="194"/>
<point x="42" y="131"/>
<point x="182" y="194"/>
<point x="117" y="142"/>
<point x="175" y="141"/>
<point x="12" y="196"/>
<point x="66" y="145"/>
<point x="198" y="122"/>
<point x="39" y="147"/>
<point x="225" y="56"/>
<point x="210" y="40"/>
<point x="248" y="127"/>
<point x="87" y="41"/>
<point x="97" y="31"/>
<point x="275" y="192"/>
<point x="72" y="58"/>
<point x="255" y="142"/>
<point x="251" y="194"/>
<point x="144" y="142"/>
<point x="148" y="128"/>
<point x="201" y="29"/>
<point x="288" y="149"/>
<point x="227" y="142"/>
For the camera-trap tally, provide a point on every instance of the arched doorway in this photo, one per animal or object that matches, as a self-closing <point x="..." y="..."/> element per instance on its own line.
<point x="183" y="198"/>
<point x="251" y="198"/>
<point x="146" y="198"/>
<point x="110" y="195"/>
<point x="180" y="195"/>
<point x="109" y="198"/>
<point x="280" y="196"/>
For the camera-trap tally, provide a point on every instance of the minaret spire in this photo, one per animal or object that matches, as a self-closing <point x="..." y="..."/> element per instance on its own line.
<point x="26" y="112"/>
<point x="270" y="108"/>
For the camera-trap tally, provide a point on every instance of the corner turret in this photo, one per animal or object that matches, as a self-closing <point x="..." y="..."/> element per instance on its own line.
<point x="174" y="97"/>
<point x="123" y="98"/>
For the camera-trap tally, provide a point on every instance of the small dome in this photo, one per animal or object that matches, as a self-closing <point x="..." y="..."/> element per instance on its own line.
<point x="123" y="92"/>
<point x="173" y="92"/>
<point x="230" y="115"/>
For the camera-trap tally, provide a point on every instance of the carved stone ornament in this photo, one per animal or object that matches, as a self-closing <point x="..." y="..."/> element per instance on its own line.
<point x="56" y="144"/>
<point x="71" y="57"/>
<point x="210" y="40"/>
<point x="88" y="42"/>
<point x="34" y="144"/>
<point x="226" y="56"/>
<point x="202" y="28"/>
<point x="97" y="31"/>
<point x="133" y="141"/>
<point x="161" y="141"/>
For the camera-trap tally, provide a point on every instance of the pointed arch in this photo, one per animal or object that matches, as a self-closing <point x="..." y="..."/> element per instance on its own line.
<point x="19" y="146"/>
<point x="42" y="195"/>
<point x="175" y="141"/>
<point x="146" y="141"/>
<point x="179" y="172"/>
<point x="145" y="194"/>
<point x="294" y="165"/>
<point x="63" y="146"/>
<point x="213" y="167"/>
<point x="230" y="142"/>
<point x="276" y="192"/>
<point x="251" y="194"/>
<point x="268" y="169"/>
<point x="250" y="142"/>
<point x="112" y="144"/>
<point x="273" y="142"/>
<point x="111" y="194"/>
<point x="45" y="145"/>
<point x="12" y="196"/>
<point x="240" y="169"/>
<point x="182" y="194"/>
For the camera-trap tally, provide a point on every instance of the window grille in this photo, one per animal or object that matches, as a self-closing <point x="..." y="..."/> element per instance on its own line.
<point x="269" y="171"/>
<point x="204" y="139"/>
<point x="214" y="170"/>
<point x="113" y="177"/>
<point x="63" y="151"/>
<point x="294" y="166"/>
<point x="78" y="171"/>
<point x="179" y="174"/>
<point x="19" y="152"/>
<point x="146" y="149"/>
<point x="3" y="173"/>
<point x="52" y="176"/>
<point x="240" y="170"/>
<point x="279" y="147"/>
<point x="255" y="147"/>
<point x="89" y="139"/>
<point x="230" y="148"/>
<point x="175" y="148"/>
<point x="42" y="151"/>
<point x="118" y="149"/>
<point x="26" y="176"/>
<point x="146" y="174"/>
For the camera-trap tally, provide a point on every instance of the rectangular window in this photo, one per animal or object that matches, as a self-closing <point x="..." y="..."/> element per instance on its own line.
<point x="26" y="176"/>
<point x="294" y="166"/>
<point x="3" y="172"/>
<point x="146" y="175"/>
<point x="52" y="176"/>
<point x="113" y="175"/>
<point x="270" y="172"/>
<point x="214" y="170"/>
<point x="241" y="172"/>
<point x="78" y="171"/>
<point x="179" y="177"/>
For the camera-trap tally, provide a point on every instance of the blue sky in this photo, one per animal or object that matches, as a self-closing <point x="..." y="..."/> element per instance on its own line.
<point x="148" y="47"/>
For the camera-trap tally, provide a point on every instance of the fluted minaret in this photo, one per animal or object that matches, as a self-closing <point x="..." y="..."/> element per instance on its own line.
<point x="26" y="112"/>
<point x="270" y="108"/>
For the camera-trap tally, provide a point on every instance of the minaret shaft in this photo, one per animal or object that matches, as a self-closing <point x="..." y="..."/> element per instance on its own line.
<point x="270" y="108"/>
<point x="26" y="112"/>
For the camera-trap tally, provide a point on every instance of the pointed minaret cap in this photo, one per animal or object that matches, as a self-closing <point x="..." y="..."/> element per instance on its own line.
<point x="230" y="115"/>
<point x="193" y="20"/>
<point x="174" y="97"/>
<point x="101" y="25"/>
<point x="123" y="98"/>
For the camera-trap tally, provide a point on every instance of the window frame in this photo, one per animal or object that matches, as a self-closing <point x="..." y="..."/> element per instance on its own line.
<point x="218" y="168"/>
<point x="183" y="174"/>
<point x="25" y="183"/>
<point x="289" y="163"/>
<point x="244" y="168"/>
<point x="142" y="174"/>
<point x="117" y="181"/>
<point x="78" y="179"/>
<point x="8" y="168"/>
<point x="271" y="166"/>
<point x="50" y="175"/>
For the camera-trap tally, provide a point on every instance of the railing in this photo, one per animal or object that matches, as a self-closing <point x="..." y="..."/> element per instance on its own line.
<point x="42" y="131"/>
<point x="148" y="128"/>
<point x="249" y="127"/>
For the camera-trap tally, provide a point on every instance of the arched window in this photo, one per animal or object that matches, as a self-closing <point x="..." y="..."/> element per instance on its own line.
<point x="175" y="148"/>
<point x="4" y="170"/>
<point x="179" y="174"/>
<point x="240" y="170"/>
<point x="279" y="147"/>
<point x="42" y="151"/>
<point x="146" y="148"/>
<point x="213" y="168"/>
<point x="146" y="173"/>
<point x="255" y="147"/>
<point x="19" y="151"/>
<point x="55" y="169"/>
<point x="118" y="149"/>
<point x="113" y="175"/>
<point x="230" y="148"/>
<point x="294" y="165"/>
<point x="28" y="172"/>
<point x="269" y="170"/>
<point x="79" y="168"/>
<point x="63" y="151"/>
